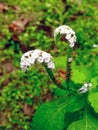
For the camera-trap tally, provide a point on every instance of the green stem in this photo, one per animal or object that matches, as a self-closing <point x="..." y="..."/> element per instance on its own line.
<point x="68" y="75"/>
<point x="51" y="75"/>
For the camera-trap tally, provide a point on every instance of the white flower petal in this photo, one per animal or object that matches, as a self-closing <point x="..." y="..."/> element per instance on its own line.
<point x="86" y="85"/>
<point x="68" y="36"/>
<point x="51" y="65"/>
<point x="67" y="32"/>
<point x="40" y="59"/>
<point x="95" y="45"/>
<point x="30" y="58"/>
<point x="90" y="84"/>
<point x="72" y="44"/>
<point x="70" y="59"/>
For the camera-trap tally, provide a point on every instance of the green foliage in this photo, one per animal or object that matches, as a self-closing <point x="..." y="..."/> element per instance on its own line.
<point x="94" y="81"/>
<point x="80" y="73"/>
<point x="93" y="100"/>
<point x="89" y="122"/>
<point x="51" y="116"/>
<point x="96" y="66"/>
<point x="60" y="62"/>
<point x="60" y="92"/>
<point x="21" y="94"/>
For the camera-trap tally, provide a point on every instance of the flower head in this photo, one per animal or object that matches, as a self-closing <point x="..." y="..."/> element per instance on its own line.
<point x="86" y="87"/>
<point x="51" y="65"/>
<point x="95" y="45"/>
<point x="36" y="55"/>
<point x="68" y="33"/>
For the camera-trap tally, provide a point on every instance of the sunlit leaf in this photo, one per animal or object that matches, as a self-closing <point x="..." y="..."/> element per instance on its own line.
<point x="51" y="116"/>
<point x="93" y="99"/>
<point x="89" y="122"/>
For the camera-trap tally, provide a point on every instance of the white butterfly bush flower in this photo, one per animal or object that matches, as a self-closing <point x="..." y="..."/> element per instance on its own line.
<point x="29" y="58"/>
<point x="86" y="87"/>
<point x="68" y="33"/>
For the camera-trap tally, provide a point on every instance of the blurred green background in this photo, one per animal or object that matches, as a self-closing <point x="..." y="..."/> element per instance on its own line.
<point x="29" y="24"/>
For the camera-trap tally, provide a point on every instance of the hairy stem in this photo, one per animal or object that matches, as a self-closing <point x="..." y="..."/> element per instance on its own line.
<point x="51" y="75"/>
<point x="68" y="73"/>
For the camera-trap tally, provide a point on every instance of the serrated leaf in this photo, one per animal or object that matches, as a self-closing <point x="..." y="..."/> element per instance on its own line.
<point x="93" y="99"/>
<point x="89" y="122"/>
<point x="51" y="116"/>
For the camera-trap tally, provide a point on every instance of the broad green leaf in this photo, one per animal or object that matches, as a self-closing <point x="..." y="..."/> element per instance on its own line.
<point x="89" y="122"/>
<point x="51" y="116"/>
<point x="94" y="82"/>
<point x="93" y="99"/>
<point x="60" y="92"/>
<point x="80" y="73"/>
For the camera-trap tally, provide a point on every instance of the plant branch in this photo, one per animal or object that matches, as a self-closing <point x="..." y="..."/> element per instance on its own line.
<point x="51" y="75"/>
<point x="68" y="73"/>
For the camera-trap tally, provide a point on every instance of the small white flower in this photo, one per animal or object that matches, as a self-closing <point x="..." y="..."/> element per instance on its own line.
<point x="86" y="87"/>
<point x="95" y="45"/>
<point x="50" y="65"/>
<point x="35" y="55"/>
<point x="68" y="36"/>
<point x="27" y="64"/>
<point x="27" y="54"/>
<point x="67" y="32"/>
<point x="37" y="51"/>
<point x="71" y="40"/>
<point x="32" y="60"/>
<point x="40" y="59"/>
<point x="90" y="84"/>
<point x="82" y="90"/>
<point x="70" y="59"/>
<point x="72" y="32"/>
<point x="31" y="57"/>
<point x="47" y="57"/>
<point x="71" y="44"/>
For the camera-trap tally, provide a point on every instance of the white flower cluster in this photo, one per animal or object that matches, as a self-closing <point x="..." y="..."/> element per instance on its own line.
<point x="70" y="59"/>
<point x="31" y="57"/>
<point x="95" y="45"/>
<point x="86" y="87"/>
<point x="68" y="33"/>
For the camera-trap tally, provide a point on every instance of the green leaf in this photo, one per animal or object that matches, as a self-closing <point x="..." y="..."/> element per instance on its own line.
<point x="60" y="92"/>
<point x="80" y="73"/>
<point x="94" y="82"/>
<point x="89" y="122"/>
<point x="51" y="116"/>
<point x="60" y="62"/>
<point x="93" y="99"/>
